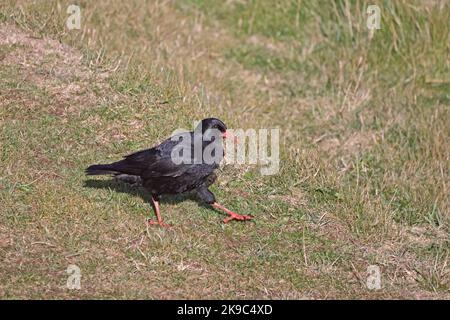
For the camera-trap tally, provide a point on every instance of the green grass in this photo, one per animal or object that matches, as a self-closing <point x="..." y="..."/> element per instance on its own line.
<point x="364" y="176"/>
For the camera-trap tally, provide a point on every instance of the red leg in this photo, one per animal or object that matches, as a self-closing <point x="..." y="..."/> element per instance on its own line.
<point x="233" y="215"/>
<point x="158" y="216"/>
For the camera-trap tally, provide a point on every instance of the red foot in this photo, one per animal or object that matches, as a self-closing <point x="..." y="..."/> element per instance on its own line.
<point x="232" y="215"/>
<point x="160" y="223"/>
<point x="235" y="216"/>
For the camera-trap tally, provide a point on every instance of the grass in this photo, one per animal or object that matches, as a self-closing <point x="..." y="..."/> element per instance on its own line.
<point x="364" y="170"/>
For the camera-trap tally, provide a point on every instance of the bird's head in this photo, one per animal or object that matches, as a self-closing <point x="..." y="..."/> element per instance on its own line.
<point x="213" y="124"/>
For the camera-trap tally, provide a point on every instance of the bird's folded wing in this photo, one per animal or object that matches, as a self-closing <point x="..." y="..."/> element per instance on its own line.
<point x="157" y="162"/>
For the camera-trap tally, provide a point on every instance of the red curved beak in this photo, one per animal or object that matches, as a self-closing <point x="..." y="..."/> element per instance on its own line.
<point x="227" y="134"/>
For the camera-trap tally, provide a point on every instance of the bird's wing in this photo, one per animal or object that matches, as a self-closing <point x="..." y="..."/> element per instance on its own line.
<point x="157" y="162"/>
<point x="165" y="167"/>
<point x="148" y="156"/>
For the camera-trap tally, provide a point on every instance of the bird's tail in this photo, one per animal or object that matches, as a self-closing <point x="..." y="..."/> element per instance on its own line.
<point x="115" y="168"/>
<point x="99" y="169"/>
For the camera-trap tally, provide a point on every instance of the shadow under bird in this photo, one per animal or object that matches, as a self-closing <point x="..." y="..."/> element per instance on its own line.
<point x="161" y="175"/>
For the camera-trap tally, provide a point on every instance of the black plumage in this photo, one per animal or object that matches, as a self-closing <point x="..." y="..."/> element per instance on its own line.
<point x="160" y="172"/>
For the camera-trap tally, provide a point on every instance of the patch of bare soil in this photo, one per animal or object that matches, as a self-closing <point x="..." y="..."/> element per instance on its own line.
<point x="50" y="67"/>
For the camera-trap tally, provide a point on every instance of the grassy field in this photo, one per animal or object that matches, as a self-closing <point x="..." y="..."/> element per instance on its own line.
<point x="365" y="155"/>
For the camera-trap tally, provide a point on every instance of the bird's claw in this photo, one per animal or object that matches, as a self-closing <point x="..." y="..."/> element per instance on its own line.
<point x="239" y="217"/>
<point x="160" y="223"/>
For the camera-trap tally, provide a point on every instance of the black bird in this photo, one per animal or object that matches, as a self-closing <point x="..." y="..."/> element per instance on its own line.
<point x="182" y="163"/>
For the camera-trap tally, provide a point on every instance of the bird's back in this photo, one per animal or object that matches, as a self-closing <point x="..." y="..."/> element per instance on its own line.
<point x="161" y="174"/>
